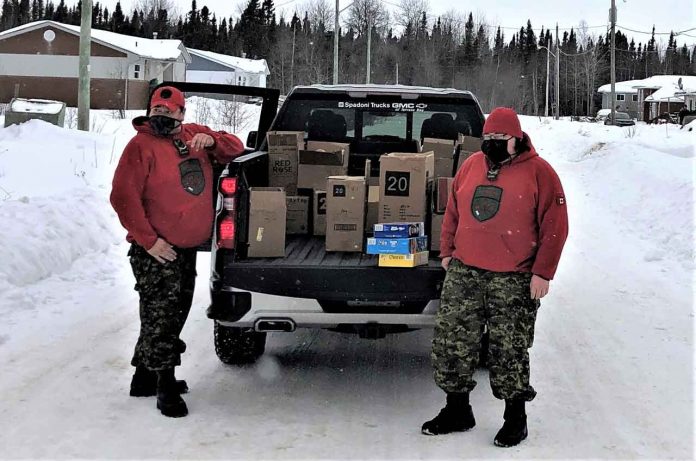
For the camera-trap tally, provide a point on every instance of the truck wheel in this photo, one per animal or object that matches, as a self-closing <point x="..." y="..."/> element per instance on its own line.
<point x="238" y="346"/>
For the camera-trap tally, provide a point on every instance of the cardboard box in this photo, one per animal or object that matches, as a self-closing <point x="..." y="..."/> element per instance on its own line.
<point x="466" y="146"/>
<point x="403" y="179"/>
<point x="372" y="207"/>
<point x="283" y="159"/>
<point x="315" y="166"/>
<point x="297" y="215"/>
<point x="435" y="231"/>
<point x="319" y="212"/>
<point x="399" y="230"/>
<point x="378" y="246"/>
<point x="267" y="213"/>
<point x="444" y="154"/>
<point x="326" y="146"/>
<point x="442" y="193"/>
<point x="345" y="213"/>
<point x="413" y="260"/>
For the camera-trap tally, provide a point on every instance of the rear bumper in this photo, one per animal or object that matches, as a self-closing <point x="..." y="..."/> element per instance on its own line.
<point x="244" y="309"/>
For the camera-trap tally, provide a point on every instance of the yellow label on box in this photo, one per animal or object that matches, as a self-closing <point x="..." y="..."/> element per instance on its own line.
<point x="412" y="260"/>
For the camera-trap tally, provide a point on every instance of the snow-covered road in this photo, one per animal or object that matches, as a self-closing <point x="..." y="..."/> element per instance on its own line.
<point x="612" y="360"/>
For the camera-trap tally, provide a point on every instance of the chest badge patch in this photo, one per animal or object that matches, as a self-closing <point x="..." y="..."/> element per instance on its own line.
<point x="486" y="202"/>
<point x="192" y="177"/>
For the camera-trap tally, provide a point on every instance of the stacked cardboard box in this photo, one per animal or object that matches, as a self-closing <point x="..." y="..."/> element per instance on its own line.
<point x="345" y="213"/>
<point x="283" y="159"/>
<point x="466" y="146"/>
<point x="404" y="179"/>
<point x="443" y="189"/>
<point x="319" y="161"/>
<point x="267" y="221"/>
<point x="399" y="244"/>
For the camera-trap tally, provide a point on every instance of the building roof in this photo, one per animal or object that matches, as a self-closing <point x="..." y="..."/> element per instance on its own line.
<point x="621" y="87"/>
<point x="162" y="50"/>
<point x="669" y="89"/>
<point x="256" y="66"/>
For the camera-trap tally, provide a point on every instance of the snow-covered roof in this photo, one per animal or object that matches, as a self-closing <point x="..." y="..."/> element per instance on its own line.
<point x="163" y="50"/>
<point x="669" y="90"/>
<point x="659" y="81"/>
<point x="37" y="106"/>
<point x="621" y="87"/>
<point x="256" y="66"/>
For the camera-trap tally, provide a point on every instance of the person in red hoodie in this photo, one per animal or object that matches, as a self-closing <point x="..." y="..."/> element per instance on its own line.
<point x="503" y="232"/>
<point x="162" y="194"/>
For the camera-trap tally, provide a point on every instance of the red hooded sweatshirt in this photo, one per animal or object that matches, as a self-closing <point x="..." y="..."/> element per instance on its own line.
<point x="517" y="223"/>
<point x="159" y="193"/>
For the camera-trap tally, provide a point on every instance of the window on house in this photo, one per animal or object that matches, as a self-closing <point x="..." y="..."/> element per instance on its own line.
<point x="620" y="97"/>
<point x="136" y="71"/>
<point x="635" y="98"/>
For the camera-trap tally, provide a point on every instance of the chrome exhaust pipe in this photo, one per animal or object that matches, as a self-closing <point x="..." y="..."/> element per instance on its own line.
<point x="270" y="325"/>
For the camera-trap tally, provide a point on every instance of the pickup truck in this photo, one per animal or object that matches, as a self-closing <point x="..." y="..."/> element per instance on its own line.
<point x="343" y="292"/>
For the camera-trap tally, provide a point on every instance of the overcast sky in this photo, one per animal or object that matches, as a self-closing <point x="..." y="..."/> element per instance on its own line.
<point x="640" y="15"/>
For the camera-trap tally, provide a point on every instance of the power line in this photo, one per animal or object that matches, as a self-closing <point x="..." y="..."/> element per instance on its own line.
<point x="656" y="33"/>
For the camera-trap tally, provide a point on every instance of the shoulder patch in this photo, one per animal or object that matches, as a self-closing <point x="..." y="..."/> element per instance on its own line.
<point x="560" y="199"/>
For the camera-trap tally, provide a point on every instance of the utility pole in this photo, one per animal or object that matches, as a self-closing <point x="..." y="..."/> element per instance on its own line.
<point x="83" y="102"/>
<point x="336" y="36"/>
<point x="369" y="47"/>
<point x="397" y="73"/>
<point x="612" y="18"/>
<point x="548" y="58"/>
<point x="558" y="75"/>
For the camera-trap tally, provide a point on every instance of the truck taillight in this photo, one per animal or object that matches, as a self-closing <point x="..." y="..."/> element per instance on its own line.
<point x="226" y="232"/>
<point x="228" y="186"/>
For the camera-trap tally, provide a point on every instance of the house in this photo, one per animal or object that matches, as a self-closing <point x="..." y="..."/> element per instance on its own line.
<point x="41" y="60"/>
<point x="626" y="97"/>
<point x="209" y="67"/>
<point x="662" y="94"/>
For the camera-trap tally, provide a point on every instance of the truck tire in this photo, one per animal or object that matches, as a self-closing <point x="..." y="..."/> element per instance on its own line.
<point x="238" y="346"/>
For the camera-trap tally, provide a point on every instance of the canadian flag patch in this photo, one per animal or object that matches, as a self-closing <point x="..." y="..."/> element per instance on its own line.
<point x="560" y="199"/>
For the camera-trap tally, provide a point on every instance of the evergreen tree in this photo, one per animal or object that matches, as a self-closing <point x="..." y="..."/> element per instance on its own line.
<point x="117" y="19"/>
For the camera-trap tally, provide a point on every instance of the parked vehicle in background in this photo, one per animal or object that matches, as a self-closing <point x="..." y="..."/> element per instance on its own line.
<point x="620" y="119"/>
<point x="602" y="114"/>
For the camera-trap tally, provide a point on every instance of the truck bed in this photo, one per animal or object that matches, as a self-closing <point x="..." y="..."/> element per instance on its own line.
<point x="308" y="271"/>
<point x="302" y="250"/>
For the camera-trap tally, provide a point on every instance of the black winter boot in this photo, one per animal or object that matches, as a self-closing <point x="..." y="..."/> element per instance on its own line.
<point x="514" y="428"/>
<point x="144" y="383"/>
<point x="169" y="401"/>
<point x="457" y="416"/>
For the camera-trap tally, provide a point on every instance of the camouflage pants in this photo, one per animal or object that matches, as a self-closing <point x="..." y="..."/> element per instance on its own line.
<point x="472" y="298"/>
<point x="166" y="294"/>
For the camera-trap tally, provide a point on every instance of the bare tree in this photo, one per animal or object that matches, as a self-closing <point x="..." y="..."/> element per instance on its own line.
<point x="364" y="12"/>
<point x="411" y="12"/>
<point x="320" y="12"/>
<point x="147" y="6"/>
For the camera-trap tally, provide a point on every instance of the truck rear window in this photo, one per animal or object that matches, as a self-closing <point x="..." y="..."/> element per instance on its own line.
<point x="349" y="119"/>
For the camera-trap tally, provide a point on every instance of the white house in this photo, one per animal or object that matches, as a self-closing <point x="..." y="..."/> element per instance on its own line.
<point x="41" y="60"/>
<point x="209" y="67"/>
<point x="626" y="97"/>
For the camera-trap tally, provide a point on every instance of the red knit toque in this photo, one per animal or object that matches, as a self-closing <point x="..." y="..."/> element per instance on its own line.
<point x="503" y="120"/>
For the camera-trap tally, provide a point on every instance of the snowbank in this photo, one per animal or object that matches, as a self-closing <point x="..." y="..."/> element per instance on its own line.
<point x="55" y="182"/>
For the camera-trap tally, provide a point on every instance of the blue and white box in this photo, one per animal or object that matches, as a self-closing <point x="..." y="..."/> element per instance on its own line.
<point x="391" y="246"/>
<point x="399" y="230"/>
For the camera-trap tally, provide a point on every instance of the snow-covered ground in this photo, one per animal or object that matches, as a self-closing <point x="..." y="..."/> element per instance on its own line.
<point x="612" y="360"/>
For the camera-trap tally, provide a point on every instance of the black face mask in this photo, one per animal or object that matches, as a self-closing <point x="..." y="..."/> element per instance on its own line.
<point x="495" y="150"/>
<point x="163" y="125"/>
